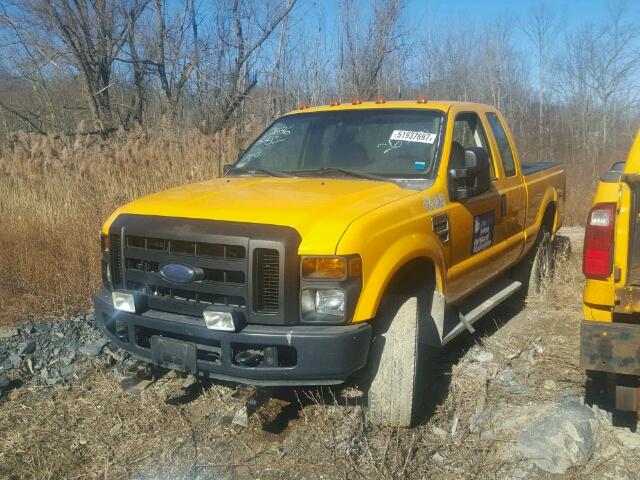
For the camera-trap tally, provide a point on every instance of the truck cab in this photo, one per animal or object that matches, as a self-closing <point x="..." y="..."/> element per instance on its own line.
<point x="610" y="332"/>
<point x="347" y="240"/>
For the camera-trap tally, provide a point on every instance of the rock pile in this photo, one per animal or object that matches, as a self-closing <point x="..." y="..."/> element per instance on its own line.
<point x="48" y="353"/>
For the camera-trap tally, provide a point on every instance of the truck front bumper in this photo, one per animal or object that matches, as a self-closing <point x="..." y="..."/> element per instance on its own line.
<point x="610" y="347"/>
<point x="258" y="354"/>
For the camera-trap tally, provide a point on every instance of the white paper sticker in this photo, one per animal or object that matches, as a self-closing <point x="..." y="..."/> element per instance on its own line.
<point x="409" y="136"/>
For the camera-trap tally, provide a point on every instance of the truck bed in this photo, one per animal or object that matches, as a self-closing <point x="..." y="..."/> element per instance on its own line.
<point x="533" y="167"/>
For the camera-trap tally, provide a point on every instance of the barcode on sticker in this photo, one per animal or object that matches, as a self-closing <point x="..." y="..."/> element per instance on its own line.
<point x="409" y="136"/>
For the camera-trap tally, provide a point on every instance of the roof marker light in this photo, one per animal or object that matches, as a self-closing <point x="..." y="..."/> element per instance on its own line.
<point x="304" y="105"/>
<point x="335" y="101"/>
<point x="422" y="99"/>
<point x="356" y="101"/>
<point x="380" y="99"/>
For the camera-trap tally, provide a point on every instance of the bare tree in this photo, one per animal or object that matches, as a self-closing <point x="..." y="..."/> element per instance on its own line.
<point x="368" y="41"/>
<point x="173" y="70"/>
<point x="138" y="64"/>
<point x="542" y="28"/>
<point x="239" y="79"/>
<point x="91" y="34"/>
<point x="597" y="68"/>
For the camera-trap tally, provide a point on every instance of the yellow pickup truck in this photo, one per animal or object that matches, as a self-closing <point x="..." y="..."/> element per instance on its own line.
<point x="349" y="240"/>
<point x="610" y="332"/>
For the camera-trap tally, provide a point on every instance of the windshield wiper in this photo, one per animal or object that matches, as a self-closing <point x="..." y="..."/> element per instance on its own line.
<point x="345" y="172"/>
<point x="271" y="173"/>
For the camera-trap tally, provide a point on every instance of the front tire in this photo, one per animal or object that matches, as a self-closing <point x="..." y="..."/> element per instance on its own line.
<point x="396" y="368"/>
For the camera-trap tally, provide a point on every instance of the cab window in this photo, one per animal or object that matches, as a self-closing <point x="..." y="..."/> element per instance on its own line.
<point x="504" y="147"/>
<point x="468" y="132"/>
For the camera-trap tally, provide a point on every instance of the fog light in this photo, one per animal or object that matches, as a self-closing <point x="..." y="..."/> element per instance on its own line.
<point x="124" y="301"/>
<point x="330" y="302"/>
<point x="215" y="320"/>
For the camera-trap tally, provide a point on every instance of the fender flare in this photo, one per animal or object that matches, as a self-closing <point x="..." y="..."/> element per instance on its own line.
<point x="399" y="254"/>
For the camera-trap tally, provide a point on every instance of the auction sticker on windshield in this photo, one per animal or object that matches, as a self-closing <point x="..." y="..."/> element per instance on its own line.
<point x="410" y="136"/>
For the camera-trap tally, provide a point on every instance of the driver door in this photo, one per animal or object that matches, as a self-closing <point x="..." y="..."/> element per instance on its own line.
<point x="474" y="222"/>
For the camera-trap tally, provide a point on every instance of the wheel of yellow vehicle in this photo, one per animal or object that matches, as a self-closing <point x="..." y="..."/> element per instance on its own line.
<point x="536" y="268"/>
<point x="395" y="371"/>
<point x="541" y="264"/>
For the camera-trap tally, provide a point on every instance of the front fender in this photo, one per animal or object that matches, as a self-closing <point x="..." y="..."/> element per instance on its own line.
<point x="380" y="267"/>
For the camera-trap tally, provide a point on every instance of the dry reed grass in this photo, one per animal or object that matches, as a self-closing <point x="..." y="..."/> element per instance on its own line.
<point x="56" y="192"/>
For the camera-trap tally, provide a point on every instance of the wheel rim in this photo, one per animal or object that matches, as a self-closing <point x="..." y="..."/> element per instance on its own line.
<point x="542" y="265"/>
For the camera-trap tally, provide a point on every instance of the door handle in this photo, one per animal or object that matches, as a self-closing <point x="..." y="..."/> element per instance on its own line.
<point x="503" y="204"/>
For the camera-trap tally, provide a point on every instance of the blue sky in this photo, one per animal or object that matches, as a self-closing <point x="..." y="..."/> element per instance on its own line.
<point x="573" y="11"/>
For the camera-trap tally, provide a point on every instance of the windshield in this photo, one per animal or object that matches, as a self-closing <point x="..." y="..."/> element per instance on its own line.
<point x="387" y="143"/>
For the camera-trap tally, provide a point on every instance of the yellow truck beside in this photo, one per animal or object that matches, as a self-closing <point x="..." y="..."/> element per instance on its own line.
<point x="610" y="332"/>
<point x="348" y="241"/>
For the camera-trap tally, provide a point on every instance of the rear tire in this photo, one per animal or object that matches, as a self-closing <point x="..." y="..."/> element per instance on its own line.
<point x="395" y="371"/>
<point x="535" y="270"/>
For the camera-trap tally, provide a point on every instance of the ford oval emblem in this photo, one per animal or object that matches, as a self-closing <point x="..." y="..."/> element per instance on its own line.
<point x="179" y="273"/>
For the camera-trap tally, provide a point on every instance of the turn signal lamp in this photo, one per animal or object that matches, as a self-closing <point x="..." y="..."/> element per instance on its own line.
<point x="597" y="260"/>
<point x="104" y="242"/>
<point x="323" y="267"/>
<point x="331" y="268"/>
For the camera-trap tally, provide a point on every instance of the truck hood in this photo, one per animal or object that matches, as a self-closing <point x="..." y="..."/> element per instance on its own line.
<point x="319" y="209"/>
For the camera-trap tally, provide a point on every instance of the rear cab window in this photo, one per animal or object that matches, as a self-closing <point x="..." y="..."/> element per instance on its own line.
<point x="504" y="147"/>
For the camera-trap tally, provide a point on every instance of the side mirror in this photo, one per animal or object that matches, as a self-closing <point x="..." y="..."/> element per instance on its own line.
<point x="614" y="173"/>
<point x="617" y="167"/>
<point x="471" y="176"/>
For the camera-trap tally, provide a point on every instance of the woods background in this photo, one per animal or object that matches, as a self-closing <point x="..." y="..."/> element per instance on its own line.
<point x="105" y="100"/>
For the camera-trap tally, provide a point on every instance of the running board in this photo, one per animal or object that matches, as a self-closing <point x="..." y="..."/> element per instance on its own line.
<point x="478" y="305"/>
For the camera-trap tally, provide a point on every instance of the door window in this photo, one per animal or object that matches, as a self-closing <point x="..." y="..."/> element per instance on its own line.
<point x="468" y="132"/>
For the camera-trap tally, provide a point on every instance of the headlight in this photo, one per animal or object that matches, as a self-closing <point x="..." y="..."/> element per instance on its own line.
<point x="129" y="301"/>
<point x="219" y="320"/>
<point x="124" y="301"/>
<point x="322" y="305"/>
<point x="330" y="302"/>
<point x="329" y="288"/>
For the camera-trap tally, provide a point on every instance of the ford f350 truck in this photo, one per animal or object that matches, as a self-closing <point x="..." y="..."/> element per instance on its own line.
<point x="347" y="240"/>
<point x="610" y="332"/>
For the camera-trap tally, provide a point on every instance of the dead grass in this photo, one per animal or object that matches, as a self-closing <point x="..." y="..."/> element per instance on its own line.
<point x="57" y="192"/>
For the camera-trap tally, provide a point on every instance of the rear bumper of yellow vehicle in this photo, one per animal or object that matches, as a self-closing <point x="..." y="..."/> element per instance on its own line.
<point x="610" y="347"/>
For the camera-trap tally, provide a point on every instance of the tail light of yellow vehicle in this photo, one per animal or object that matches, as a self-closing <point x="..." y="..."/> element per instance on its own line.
<point x="597" y="262"/>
